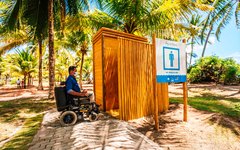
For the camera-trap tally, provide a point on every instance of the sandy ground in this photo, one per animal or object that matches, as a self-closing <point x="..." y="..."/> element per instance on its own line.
<point x="7" y="94"/>
<point x="175" y="90"/>
<point x="203" y="131"/>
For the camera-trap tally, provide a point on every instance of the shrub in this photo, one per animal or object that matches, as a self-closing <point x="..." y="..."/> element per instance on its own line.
<point x="214" y="69"/>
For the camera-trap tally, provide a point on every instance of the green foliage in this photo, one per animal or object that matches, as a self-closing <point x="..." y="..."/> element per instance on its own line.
<point x="214" y="69"/>
<point x="24" y="62"/>
<point x="87" y="69"/>
<point x="230" y="70"/>
<point x="2" y="66"/>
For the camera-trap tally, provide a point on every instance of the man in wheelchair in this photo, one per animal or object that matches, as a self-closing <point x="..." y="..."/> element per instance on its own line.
<point x="74" y="93"/>
<point x="74" y="103"/>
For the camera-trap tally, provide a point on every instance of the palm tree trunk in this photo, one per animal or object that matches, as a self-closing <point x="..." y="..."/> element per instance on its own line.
<point x="6" y="80"/>
<point x="24" y="81"/>
<point x="29" y="78"/>
<point x="51" y="49"/>
<point x="63" y="15"/>
<point x="205" y="44"/>
<point x="40" y="86"/>
<point x="81" y="68"/>
<point x="190" y="62"/>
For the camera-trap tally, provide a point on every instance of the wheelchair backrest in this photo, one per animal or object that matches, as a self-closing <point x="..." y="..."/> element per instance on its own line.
<point x="60" y="98"/>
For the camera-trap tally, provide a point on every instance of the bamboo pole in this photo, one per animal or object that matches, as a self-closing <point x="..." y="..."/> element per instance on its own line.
<point x="185" y="95"/>
<point x="154" y="83"/>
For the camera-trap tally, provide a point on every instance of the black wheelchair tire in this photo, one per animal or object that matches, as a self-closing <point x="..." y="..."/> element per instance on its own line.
<point x="93" y="117"/>
<point x="68" y="118"/>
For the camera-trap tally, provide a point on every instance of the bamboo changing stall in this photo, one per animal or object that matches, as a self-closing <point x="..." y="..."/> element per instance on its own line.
<point x="123" y="75"/>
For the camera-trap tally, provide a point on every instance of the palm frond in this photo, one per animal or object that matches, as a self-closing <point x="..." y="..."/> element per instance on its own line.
<point x="15" y="15"/>
<point x="220" y="8"/>
<point x="36" y="14"/>
<point x="13" y="44"/>
<point x="237" y="15"/>
<point x="101" y="19"/>
<point x="225" y="20"/>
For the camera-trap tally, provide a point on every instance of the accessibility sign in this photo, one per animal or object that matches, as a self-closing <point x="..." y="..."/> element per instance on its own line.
<point x="170" y="61"/>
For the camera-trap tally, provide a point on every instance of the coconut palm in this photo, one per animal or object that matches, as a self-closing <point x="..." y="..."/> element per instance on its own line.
<point x="149" y="16"/>
<point x="15" y="39"/>
<point x="80" y="41"/>
<point x="2" y="67"/>
<point x="193" y="29"/>
<point x="87" y="70"/>
<point x="219" y="17"/>
<point x="24" y="63"/>
<point x="79" y="31"/>
<point x="63" y="60"/>
<point x="39" y="14"/>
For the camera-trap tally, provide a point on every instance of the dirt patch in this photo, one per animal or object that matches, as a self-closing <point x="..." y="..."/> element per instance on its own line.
<point x="202" y="131"/>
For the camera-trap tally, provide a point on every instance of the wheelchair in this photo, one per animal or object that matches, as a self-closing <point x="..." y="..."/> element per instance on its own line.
<point x="74" y="108"/>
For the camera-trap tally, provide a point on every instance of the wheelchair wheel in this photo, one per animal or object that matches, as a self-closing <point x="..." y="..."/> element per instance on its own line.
<point x="68" y="118"/>
<point x="93" y="116"/>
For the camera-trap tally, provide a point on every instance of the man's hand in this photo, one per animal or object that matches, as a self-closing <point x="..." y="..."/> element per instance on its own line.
<point x="86" y="94"/>
<point x="84" y="91"/>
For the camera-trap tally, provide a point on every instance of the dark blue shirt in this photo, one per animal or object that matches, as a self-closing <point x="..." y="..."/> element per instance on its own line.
<point x="72" y="85"/>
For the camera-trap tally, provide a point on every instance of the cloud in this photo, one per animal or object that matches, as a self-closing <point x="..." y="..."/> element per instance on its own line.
<point x="196" y="48"/>
<point x="235" y="56"/>
<point x="212" y="40"/>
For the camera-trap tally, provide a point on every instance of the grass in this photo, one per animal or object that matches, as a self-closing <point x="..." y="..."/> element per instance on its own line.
<point x="225" y="106"/>
<point x="27" y="113"/>
<point x="21" y="140"/>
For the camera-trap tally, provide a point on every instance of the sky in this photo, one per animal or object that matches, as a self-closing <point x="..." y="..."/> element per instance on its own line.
<point x="228" y="46"/>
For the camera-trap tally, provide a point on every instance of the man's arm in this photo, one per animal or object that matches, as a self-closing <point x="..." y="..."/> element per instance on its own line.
<point x="69" y="89"/>
<point x="77" y="93"/>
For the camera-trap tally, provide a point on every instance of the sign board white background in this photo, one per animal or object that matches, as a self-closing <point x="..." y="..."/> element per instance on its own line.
<point x="170" y="61"/>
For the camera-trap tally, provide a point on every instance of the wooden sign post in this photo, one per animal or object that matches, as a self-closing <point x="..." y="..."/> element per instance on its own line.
<point x="185" y="94"/>
<point x="184" y="101"/>
<point x="169" y="66"/>
<point x="154" y="84"/>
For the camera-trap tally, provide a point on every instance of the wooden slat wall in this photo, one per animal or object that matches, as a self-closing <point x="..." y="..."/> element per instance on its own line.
<point x="110" y="72"/>
<point x="98" y="72"/>
<point x="135" y="79"/>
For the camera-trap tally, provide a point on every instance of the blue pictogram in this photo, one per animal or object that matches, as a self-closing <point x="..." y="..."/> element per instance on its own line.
<point x="171" y="58"/>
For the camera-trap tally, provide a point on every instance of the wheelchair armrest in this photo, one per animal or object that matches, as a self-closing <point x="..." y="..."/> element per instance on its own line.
<point x="78" y="97"/>
<point x="83" y="98"/>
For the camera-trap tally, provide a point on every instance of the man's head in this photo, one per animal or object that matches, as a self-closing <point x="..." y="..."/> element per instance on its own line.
<point x="72" y="70"/>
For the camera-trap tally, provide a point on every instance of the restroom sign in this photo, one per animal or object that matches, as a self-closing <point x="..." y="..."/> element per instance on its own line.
<point x="170" y="61"/>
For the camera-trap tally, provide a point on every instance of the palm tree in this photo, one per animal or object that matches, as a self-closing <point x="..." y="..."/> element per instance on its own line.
<point x="219" y="17"/>
<point x="194" y="27"/>
<point x="81" y="40"/>
<point x="36" y="13"/>
<point x="2" y="67"/>
<point x="24" y="63"/>
<point x="149" y="16"/>
<point x="87" y="69"/>
<point x="51" y="57"/>
<point x="79" y="32"/>
<point x="14" y="39"/>
<point x="63" y="60"/>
